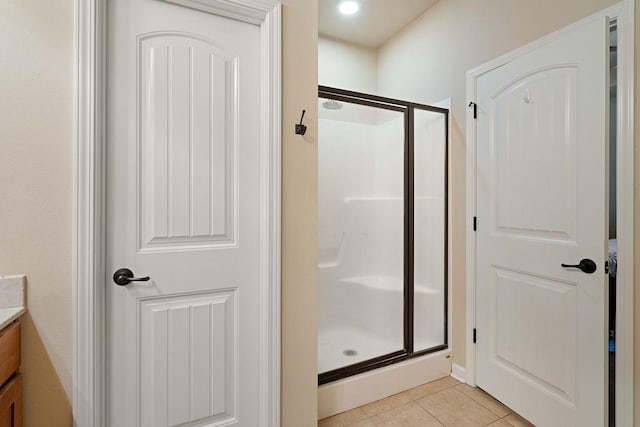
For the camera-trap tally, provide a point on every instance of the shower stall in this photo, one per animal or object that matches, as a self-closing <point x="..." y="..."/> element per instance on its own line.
<point x="382" y="255"/>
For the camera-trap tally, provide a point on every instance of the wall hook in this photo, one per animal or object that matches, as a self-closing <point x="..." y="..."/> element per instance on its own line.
<point x="300" y="128"/>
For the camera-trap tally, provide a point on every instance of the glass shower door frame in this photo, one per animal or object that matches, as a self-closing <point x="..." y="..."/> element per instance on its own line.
<point x="408" y="109"/>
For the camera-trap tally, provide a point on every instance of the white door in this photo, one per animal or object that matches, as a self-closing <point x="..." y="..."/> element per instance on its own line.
<point x="183" y="208"/>
<point x="541" y="194"/>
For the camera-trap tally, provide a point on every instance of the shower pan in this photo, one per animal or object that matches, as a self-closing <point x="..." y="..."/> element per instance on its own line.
<point x="382" y="255"/>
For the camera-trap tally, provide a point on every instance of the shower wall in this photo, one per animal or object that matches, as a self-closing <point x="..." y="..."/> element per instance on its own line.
<point x="358" y="160"/>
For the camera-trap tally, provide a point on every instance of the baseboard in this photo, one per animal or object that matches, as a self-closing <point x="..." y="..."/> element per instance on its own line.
<point x="459" y="372"/>
<point x="343" y="395"/>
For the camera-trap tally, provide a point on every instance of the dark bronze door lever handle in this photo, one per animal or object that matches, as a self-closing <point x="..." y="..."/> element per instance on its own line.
<point x="124" y="276"/>
<point x="586" y="265"/>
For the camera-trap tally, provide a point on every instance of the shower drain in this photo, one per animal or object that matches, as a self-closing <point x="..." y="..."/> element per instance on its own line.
<point x="349" y="352"/>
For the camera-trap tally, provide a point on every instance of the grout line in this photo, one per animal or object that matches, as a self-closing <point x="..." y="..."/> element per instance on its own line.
<point x="433" y="415"/>
<point x="412" y="400"/>
<point x="503" y="419"/>
<point x="486" y="407"/>
<point x="431" y="394"/>
<point x="466" y="397"/>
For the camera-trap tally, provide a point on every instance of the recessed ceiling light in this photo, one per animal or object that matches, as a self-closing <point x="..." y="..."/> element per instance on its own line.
<point x="348" y="7"/>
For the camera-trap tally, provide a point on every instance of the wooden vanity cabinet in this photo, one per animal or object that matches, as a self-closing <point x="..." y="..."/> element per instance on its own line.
<point x="11" y="403"/>
<point x="10" y="377"/>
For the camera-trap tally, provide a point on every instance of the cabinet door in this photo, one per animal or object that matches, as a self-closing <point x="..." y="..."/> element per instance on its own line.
<point x="11" y="403"/>
<point x="9" y="351"/>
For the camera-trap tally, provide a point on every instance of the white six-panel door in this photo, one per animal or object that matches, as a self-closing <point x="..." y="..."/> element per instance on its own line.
<point x="183" y="197"/>
<point x="541" y="196"/>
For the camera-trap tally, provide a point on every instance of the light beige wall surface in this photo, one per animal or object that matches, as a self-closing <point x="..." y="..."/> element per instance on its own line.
<point x="636" y="388"/>
<point x="299" y="214"/>
<point x="347" y="66"/>
<point x="428" y="61"/>
<point x="36" y="86"/>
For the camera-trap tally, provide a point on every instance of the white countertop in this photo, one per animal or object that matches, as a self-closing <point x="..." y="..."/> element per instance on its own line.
<point x="8" y="315"/>
<point x="12" y="298"/>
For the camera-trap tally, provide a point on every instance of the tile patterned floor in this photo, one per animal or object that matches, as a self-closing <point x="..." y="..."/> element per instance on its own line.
<point x="445" y="402"/>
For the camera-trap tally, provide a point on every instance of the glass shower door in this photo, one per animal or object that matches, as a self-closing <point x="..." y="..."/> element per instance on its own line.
<point x="361" y="228"/>
<point x="382" y="255"/>
<point x="429" y="229"/>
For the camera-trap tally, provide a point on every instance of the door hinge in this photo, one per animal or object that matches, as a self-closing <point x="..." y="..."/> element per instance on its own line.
<point x="475" y="223"/>
<point x="474" y="335"/>
<point x="475" y="109"/>
<point x="606" y="267"/>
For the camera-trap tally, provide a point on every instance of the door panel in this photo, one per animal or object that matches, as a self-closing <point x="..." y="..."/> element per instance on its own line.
<point x="540" y="349"/>
<point x="541" y="184"/>
<point x="535" y="151"/>
<point x="183" y="200"/>
<point x="188" y="353"/>
<point x="188" y="141"/>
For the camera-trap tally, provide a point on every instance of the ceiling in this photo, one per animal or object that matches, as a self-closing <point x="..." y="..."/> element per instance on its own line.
<point x="374" y="24"/>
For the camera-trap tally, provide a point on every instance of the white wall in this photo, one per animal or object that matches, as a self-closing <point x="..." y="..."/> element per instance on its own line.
<point x="346" y="66"/>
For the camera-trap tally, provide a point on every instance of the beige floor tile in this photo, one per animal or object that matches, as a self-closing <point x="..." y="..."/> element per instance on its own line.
<point x="330" y="422"/>
<point x="384" y="405"/>
<point x="344" y="419"/>
<point x="484" y="399"/>
<point x="517" y="421"/>
<point x="432" y="387"/>
<point x="454" y="409"/>
<point x="409" y="415"/>
<point x="442" y="402"/>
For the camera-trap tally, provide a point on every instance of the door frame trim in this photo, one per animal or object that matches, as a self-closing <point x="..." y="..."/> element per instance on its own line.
<point x="623" y="12"/>
<point x="89" y="207"/>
